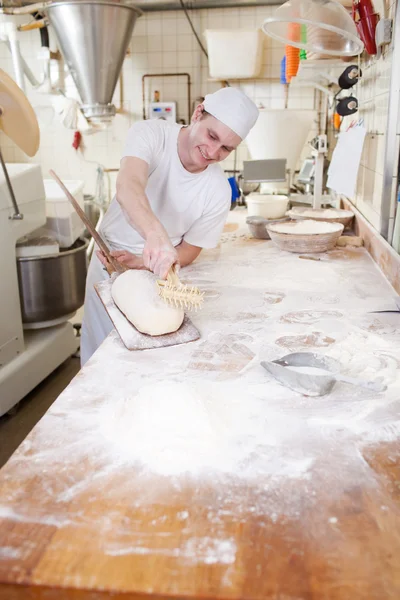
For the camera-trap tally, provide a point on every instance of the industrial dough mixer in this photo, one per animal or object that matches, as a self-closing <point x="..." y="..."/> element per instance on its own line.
<point x="26" y="357"/>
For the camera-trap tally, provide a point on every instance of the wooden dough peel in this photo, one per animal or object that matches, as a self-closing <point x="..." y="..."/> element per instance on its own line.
<point x="130" y="336"/>
<point x="99" y="240"/>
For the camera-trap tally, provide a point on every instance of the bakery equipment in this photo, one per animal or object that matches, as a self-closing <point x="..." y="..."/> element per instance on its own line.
<point x="258" y="226"/>
<point x="132" y="338"/>
<point x="320" y="26"/>
<point x="275" y="144"/>
<point x="93" y="36"/>
<point x="26" y="357"/>
<point x="306" y="236"/>
<point x="332" y="215"/>
<point x="52" y="287"/>
<point x="313" y="374"/>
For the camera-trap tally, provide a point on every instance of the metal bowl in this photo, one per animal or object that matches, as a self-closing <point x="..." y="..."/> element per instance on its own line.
<point x="258" y="226"/>
<point x="51" y="287"/>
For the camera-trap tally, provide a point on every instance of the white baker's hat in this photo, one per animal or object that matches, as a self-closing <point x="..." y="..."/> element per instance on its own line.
<point x="233" y="108"/>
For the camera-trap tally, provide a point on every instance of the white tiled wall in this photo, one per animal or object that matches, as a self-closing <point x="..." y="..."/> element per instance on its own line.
<point x="162" y="43"/>
<point x="373" y="96"/>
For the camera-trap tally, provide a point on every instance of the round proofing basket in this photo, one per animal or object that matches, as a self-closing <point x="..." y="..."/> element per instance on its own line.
<point x="297" y="213"/>
<point x="305" y="242"/>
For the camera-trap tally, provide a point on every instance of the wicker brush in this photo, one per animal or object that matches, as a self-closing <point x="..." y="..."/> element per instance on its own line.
<point x="177" y="294"/>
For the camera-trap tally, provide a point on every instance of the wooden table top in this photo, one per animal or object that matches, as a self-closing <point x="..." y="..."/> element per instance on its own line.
<point x="312" y="514"/>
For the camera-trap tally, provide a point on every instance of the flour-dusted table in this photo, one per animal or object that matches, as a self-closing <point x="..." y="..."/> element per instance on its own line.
<point x="293" y="498"/>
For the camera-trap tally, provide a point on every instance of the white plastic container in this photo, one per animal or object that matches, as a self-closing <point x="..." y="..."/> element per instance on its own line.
<point x="62" y="220"/>
<point x="270" y="206"/>
<point x="234" y="53"/>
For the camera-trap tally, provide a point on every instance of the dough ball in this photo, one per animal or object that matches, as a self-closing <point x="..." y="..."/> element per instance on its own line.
<point x="136" y="295"/>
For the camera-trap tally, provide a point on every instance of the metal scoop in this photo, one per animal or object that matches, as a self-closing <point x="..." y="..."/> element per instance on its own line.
<point x="313" y="374"/>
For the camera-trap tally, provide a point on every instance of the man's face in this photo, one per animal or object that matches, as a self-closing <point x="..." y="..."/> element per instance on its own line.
<point x="211" y="141"/>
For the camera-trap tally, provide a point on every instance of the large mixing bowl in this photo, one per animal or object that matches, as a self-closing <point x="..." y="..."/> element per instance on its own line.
<point x="51" y="287"/>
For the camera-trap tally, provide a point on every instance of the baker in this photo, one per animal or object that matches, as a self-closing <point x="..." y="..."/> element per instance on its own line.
<point x="172" y="199"/>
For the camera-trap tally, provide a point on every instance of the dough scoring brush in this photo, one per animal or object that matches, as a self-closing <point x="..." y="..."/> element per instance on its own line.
<point x="176" y="293"/>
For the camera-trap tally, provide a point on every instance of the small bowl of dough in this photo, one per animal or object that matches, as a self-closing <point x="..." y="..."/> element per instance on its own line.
<point x="330" y="215"/>
<point x="258" y="226"/>
<point x="305" y="236"/>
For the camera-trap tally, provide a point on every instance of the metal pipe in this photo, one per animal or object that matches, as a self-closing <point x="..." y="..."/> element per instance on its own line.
<point x="163" y="5"/>
<point x="391" y="156"/>
<point x="32" y="79"/>
<point x="24" y="10"/>
<point x="17" y="61"/>
<point x="17" y="216"/>
<point x="166" y="75"/>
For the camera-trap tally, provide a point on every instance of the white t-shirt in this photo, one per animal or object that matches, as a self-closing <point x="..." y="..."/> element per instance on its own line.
<point x="191" y="206"/>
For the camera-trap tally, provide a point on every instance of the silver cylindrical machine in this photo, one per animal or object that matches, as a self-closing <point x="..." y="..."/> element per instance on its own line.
<point x="52" y="287"/>
<point x="93" y="36"/>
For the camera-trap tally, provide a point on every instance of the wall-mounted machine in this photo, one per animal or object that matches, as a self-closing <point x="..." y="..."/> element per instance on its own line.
<point x="163" y="110"/>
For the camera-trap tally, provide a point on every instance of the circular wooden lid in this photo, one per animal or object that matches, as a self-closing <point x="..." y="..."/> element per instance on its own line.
<point x="17" y="117"/>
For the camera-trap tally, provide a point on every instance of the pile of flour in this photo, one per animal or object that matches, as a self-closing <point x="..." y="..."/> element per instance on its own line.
<point x="249" y="428"/>
<point x="174" y="428"/>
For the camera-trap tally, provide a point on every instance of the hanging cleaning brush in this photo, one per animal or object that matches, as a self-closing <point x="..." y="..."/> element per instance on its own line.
<point x="292" y="62"/>
<point x="174" y="292"/>
<point x="292" y="54"/>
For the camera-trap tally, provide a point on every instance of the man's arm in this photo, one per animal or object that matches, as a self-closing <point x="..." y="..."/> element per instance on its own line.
<point x="186" y="255"/>
<point x="158" y="254"/>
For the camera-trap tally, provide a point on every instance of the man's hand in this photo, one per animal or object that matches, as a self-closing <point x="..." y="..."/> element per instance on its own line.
<point x="159" y="255"/>
<point x="125" y="258"/>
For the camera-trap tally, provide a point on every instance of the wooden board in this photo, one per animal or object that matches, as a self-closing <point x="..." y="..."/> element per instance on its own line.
<point x="131" y="337"/>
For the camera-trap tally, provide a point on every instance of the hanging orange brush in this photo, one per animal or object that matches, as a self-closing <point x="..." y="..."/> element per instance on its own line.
<point x="337" y="121"/>
<point x="292" y="62"/>
<point x="292" y="53"/>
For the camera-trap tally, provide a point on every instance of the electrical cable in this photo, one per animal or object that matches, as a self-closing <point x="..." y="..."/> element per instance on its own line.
<point x="196" y="35"/>
<point x="193" y="29"/>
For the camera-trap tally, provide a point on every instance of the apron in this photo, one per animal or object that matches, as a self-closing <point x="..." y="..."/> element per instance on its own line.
<point x="96" y="324"/>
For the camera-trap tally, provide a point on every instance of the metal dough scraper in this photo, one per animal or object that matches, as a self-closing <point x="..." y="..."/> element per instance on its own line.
<point x="314" y="374"/>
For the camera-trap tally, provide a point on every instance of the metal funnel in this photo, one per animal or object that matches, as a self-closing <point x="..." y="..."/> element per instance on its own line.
<point x="93" y="36"/>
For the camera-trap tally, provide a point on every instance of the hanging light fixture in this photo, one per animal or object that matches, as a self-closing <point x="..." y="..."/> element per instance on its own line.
<point x="320" y="26"/>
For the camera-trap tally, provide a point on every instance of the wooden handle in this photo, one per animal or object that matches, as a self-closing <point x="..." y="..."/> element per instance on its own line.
<point x="100" y="242"/>
<point x="173" y="277"/>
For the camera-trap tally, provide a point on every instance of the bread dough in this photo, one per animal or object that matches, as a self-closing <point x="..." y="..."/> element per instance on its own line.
<point x="136" y="295"/>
